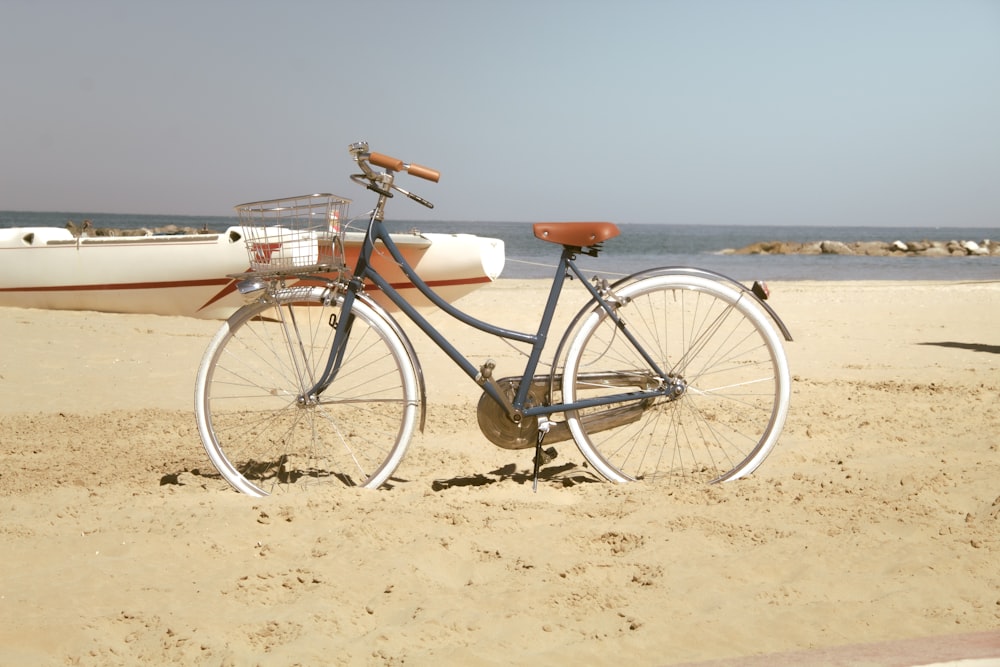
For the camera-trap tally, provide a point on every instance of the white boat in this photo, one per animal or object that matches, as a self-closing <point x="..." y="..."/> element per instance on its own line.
<point x="188" y="274"/>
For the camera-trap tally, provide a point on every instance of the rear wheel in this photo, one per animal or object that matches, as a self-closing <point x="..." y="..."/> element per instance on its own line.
<point x="723" y="359"/>
<point x="259" y="431"/>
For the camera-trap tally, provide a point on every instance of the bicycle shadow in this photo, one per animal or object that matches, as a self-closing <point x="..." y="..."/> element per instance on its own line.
<point x="975" y="347"/>
<point x="565" y="475"/>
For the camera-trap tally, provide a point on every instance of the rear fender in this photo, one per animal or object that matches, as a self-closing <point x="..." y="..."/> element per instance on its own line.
<point x="661" y="271"/>
<point x="704" y="273"/>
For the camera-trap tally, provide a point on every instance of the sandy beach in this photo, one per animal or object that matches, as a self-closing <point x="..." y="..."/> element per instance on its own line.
<point x="875" y="519"/>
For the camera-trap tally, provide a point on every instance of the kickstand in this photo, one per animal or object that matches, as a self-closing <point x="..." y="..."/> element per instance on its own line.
<point x="543" y="428"/>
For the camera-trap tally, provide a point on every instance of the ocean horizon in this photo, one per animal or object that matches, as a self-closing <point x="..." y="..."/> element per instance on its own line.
<point x="647" y="245"/>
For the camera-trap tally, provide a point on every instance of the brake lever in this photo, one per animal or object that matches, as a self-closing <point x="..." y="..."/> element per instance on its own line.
<point x="366" y="182"/>
<point x="416" y="198"/>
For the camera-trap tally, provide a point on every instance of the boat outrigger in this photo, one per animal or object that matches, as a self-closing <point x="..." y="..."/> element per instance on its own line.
<point x="192" y="274"/>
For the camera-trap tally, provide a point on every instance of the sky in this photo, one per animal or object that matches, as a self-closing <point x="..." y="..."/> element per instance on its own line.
<point x="809" y="112"/>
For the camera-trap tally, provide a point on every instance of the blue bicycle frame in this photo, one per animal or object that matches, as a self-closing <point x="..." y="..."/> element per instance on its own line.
<point x="516" y="408"/>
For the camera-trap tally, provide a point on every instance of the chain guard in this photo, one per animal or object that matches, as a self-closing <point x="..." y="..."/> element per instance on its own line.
<point x="497" y="425"/>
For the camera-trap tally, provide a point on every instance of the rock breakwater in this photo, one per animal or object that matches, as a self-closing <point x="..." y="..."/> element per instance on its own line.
<point x="923" y="248"/>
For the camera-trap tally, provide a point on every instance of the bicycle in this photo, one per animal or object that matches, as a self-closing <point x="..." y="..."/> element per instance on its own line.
<point x="667" y="373"/>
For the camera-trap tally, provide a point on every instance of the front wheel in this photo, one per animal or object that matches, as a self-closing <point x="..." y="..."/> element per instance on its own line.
<point x="720" y="356"/>
<point x="261" y="430"/>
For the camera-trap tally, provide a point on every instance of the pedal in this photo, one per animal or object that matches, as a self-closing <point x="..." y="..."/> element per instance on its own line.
<point x="547" y="456"/>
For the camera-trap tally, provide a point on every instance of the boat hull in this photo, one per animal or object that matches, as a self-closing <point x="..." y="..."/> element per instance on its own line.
<point x="189" y="275"/>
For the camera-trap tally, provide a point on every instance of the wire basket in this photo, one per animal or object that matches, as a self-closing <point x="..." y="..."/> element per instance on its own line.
<point x="295" y="234"/>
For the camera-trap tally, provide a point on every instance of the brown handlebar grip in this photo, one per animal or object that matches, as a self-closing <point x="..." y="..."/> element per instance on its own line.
<point x="424" y="172"/>
<point x="386" y="162"/>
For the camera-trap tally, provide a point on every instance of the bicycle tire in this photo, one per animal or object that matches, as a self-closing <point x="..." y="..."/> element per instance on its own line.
<point x="263" y="438"/>
<point x="728" y="359"/>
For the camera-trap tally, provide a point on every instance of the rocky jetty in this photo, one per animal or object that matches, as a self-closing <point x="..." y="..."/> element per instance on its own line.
<point x="872" y="248"/>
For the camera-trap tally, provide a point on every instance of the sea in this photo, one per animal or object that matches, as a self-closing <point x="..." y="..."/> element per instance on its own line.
<point x="642" y="246"/>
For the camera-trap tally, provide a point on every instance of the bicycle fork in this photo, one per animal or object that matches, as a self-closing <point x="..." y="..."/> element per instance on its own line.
<point x="310" y="387"/>
<point x="296" y="350"/>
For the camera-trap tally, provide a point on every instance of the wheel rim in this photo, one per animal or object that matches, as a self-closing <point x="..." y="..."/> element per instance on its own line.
<point x="262" y="434"/>
<point x="715" y="344"/>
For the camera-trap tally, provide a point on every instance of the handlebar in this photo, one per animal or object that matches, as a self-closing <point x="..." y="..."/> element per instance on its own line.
<point x="384" y="183"/>
<point x="395" y="164"/>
